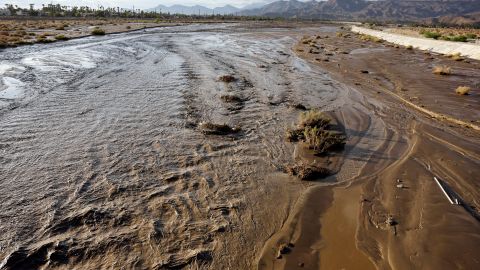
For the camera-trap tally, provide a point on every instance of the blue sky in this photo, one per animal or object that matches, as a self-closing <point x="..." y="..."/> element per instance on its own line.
<point x="137" y="3"/>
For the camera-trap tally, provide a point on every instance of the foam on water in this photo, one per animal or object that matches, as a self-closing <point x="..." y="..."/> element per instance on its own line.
<point x="13" y="88"/>
<point x="51" y="61"/>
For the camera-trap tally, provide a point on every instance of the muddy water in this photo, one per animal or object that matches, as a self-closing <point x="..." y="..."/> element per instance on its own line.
<point x="102" y="163"/>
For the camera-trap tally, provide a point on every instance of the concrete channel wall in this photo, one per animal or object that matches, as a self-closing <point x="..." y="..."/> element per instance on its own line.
<point x="438" y="46"/>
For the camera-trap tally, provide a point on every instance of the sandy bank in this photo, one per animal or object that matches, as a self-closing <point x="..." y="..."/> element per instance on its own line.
<point x="438" y="46"/>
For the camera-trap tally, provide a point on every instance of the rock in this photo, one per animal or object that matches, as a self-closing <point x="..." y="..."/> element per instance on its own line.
<point x="227" y="78"/>
<point x="284" y="249"/>
<point x="364" y="71"/>
<point x="400" y="186"/>
<point x="300" y="107"/>
<point x="391" y="221"/>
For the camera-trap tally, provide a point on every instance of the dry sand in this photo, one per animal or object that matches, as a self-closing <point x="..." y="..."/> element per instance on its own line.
<point x="24" y="31"/>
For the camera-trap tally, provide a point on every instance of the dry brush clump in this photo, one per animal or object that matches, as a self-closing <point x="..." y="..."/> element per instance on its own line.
<point x="306" y="172"/>
<point x="314" y="129"/>
<point x="456" y="56"/>
<point x="463" y="90"/>
<point x="442" y="70"/>
<point x="97" y="31"/>
<point x="321" y="140"/>
<point x="371" y="38"/>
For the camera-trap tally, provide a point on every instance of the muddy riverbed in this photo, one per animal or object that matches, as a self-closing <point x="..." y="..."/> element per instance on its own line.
<point x="104" y="164"/>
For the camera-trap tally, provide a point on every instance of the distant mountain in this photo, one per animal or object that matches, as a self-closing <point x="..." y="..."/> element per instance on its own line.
<point x="258" y="4"/>
<point x="391" y="10"/>
<point x="228" y="9"/>
<point x="467" y="19"/>
<point x="190" y="10"/>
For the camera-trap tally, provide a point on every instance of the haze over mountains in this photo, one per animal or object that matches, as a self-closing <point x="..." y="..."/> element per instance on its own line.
<point x="465" y="11"/>
<point x="198" y="9"/>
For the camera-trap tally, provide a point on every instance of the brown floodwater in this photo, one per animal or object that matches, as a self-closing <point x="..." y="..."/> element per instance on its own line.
<point x="103" y="163"/>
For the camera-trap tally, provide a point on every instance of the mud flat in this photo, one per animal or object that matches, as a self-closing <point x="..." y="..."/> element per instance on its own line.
<point x="166" y="149"/>
<point x="429" y="132"/>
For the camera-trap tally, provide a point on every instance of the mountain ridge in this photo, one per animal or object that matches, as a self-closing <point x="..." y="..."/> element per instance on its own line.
<point x="406" y="10"/>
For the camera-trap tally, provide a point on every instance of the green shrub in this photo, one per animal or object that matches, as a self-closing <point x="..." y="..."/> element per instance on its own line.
<point x="61" y="37"/>
<point x="459" y="38"/>
<point x="471" y="36"/>
<point x="434" y="35"/>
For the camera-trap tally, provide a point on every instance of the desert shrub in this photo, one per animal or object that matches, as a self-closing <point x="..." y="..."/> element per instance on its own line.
<point x="305" y="172"/>
<point x="463" y="90"/>
<point x="314" y="118"/>
<point x="434" y="35"/>
<point x="442" y="70"/>
<point x="313" y="130"/>
<point x="409" y="47"/>
<point x="456" y="56"/>
<point x="61" y="37"/>
<point x="41" y="39"/>
<point x="60" y="27"/>
<point x="370" y="38"/>
<point x="98" y="31"/>
<point x="458" y="38"/>
<point x="129" y="27"/>
<point x="295" y="135"/>
<point x="471" y="36"/>
<point x="321" y="140"/>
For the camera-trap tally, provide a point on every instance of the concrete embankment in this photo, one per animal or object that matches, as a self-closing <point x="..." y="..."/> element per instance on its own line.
<point x="438" y="46"/>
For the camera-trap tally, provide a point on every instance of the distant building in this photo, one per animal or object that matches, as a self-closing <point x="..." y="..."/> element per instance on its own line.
<point x="4" y="12"/>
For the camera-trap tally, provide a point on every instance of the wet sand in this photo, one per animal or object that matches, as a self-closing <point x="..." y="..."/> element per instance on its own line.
<point x="104" y="163"/>
<point x="405" y="221"/>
